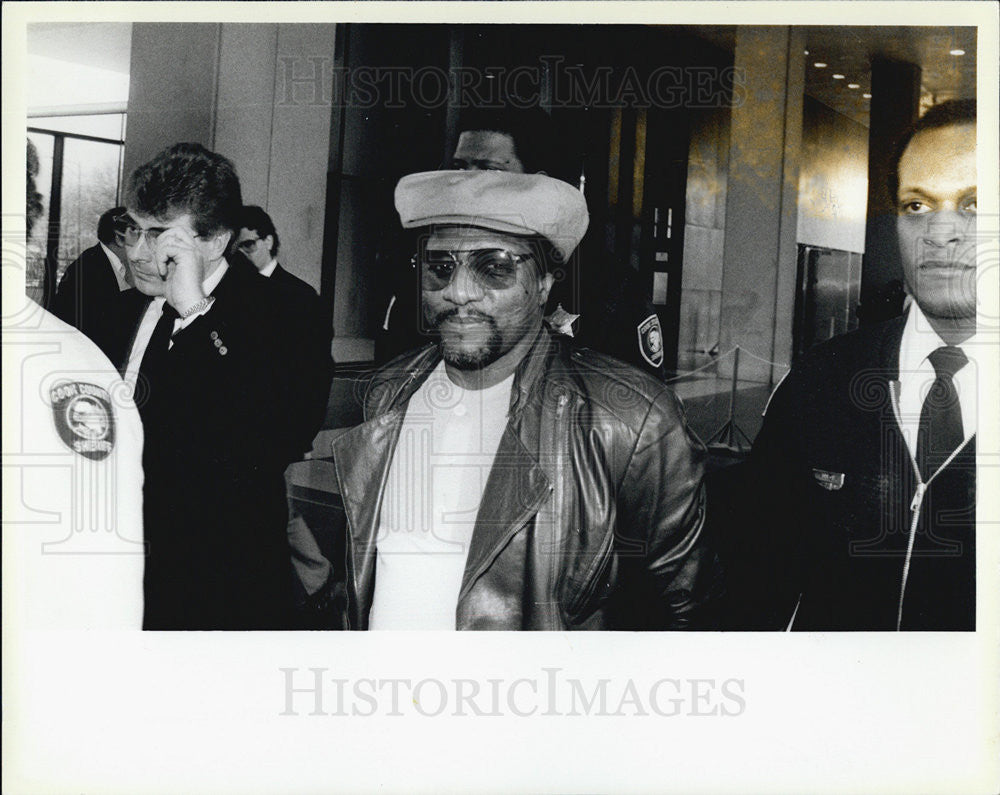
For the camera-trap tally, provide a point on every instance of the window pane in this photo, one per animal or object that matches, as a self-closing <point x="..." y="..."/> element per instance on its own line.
<point x="105" y="125"/>
<point x="89" y="187"/>
<point x="35" y="264"/>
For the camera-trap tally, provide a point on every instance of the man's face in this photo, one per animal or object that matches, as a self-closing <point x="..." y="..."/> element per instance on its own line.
<point x="479" y="324"/>
<point x="936" y="221"/>
<point x="486" y="150"/>
<point x="257" y="249"/>
<point x="140" y="248"/>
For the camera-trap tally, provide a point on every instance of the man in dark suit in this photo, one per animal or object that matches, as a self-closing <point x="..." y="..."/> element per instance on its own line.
<point x="93" y="281"/>
<point x="222" y="395"/>
<point x="305" y="317"/>
<point x="863" y="475"/>
<point x="258" y="241"/>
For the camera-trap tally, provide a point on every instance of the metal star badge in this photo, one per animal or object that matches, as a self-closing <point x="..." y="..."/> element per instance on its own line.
<point x="561" y="321"/>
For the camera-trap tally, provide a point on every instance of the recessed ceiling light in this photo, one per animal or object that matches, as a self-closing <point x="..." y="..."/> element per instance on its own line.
<point x="854" y="85"/>
<point x="838" y="77"/>
<point x="820" y="65"/>
<point x="806" y="52"/>
<point x="956" y="52"/>
<point x="867" y="96"/>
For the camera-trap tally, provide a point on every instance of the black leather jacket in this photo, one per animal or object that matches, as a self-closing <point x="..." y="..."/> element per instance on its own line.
<point x="592" y="514"/>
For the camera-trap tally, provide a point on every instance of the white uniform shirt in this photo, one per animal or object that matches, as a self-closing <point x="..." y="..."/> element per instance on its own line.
<point x="72" y="449"/>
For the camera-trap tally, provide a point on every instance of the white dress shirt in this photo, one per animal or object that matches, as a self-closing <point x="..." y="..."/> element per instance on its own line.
<point x="916" y="374"/>
<point x="117" y="267"/>
<point x="152" y="317"/>
<point x="269" y="269"/>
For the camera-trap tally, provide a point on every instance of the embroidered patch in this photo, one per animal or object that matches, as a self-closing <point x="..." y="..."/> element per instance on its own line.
<point x="831" y="481"/>
<point x="651" y="340"/>
<point x="84" y="418"/>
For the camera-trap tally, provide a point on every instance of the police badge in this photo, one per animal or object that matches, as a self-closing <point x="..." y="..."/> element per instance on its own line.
<point x="84" y="418"/>
<point x="651" y="340"/>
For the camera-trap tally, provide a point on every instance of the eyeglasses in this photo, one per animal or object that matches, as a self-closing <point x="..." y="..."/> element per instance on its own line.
<point x="246" y="246"/>
<point x="492" y="268"/>
<point x="130" y="233"/>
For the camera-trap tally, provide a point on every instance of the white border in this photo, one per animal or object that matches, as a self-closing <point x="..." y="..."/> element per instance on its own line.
<point x="196" y="712"/>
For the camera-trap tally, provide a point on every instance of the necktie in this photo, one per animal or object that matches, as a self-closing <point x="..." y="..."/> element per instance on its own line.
<point x="154" y="359"/>
<point x="940" y="431"/>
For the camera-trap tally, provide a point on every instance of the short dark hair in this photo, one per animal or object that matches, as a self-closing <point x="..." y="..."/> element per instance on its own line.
<point x="946" y="114"/>
<point x="531" y="129"/>
<point x="188" y="178"/>
<point x="106" y="225"/>
<point x="254" y="217"/>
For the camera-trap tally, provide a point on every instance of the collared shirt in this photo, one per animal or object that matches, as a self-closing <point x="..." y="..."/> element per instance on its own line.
<point x="269" y="269"/>
<point x="117" y="267"/>
<point x="916" y="374"/>
<point x="152" y="317"/>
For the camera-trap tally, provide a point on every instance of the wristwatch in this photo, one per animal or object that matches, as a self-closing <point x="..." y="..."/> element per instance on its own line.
<point x="204" y="303"/>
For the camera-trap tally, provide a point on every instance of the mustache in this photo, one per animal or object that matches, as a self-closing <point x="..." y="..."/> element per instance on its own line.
<point x="468" y="314"/>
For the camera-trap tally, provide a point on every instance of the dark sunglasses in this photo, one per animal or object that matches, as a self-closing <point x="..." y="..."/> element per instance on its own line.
<point x="246" y="246"/>
<point x="492" y="268"/>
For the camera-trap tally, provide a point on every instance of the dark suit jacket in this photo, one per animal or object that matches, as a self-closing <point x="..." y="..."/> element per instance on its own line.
<point x="86" y="293"/>
<point x="830" y="483"/>
<point x="227" y="421"/>
<point x="293" y="284"/>
<point x="310" y="326"/>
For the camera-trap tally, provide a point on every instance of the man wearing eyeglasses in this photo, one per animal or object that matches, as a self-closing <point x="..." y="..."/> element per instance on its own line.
<point x="222" y="398"/>
<point x="258" y="241"/>
<point x="504" y="479"/>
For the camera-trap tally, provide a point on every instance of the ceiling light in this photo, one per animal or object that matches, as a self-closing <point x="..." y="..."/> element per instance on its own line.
<point x="854" y="85"/>
<point x="806" y="52"/>
<point x="867" y="96"/>
<point x="956" y="52"/>
<point x="837" y="77"/>
<point x="820" y="65"/>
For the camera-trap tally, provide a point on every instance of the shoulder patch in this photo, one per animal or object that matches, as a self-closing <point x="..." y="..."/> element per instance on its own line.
<point x="651" y="340"/>
<point x="84" y="418"/>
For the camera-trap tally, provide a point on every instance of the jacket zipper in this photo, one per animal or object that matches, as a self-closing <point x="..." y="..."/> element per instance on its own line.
<point x="916" y="503"/>
<point x="557" y="494"/>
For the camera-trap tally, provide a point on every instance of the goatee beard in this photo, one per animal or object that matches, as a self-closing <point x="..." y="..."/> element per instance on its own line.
<point x="462" y="358"/>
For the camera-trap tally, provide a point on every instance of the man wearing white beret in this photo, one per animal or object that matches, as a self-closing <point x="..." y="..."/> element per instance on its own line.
<point x="504" y="479"/>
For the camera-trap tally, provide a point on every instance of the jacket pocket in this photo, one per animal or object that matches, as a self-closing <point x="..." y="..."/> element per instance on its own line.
<point x="591" y="591"/>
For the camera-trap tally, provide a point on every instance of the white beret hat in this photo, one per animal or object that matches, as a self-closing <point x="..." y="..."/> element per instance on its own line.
<point x="518" y="204"/>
